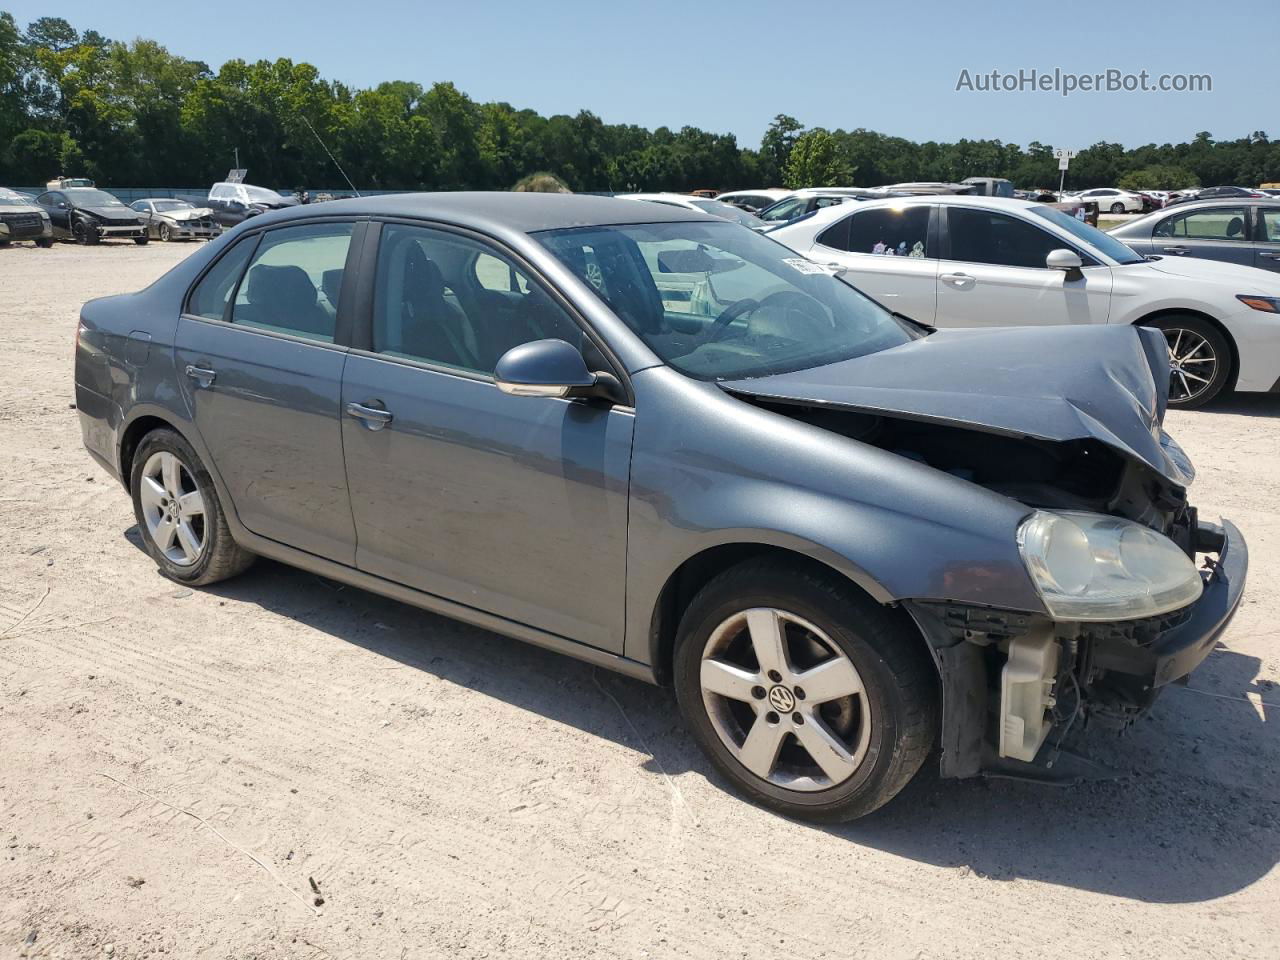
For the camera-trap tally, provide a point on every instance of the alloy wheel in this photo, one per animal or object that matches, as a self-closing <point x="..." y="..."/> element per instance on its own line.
<point x="164" y="232"/>
<point x="1192" y="364"/>
<point x="173" y="508"/>
<point x="785" y="700"/>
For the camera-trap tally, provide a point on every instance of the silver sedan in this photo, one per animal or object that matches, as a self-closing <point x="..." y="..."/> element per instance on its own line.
<point x="176" y="220"/>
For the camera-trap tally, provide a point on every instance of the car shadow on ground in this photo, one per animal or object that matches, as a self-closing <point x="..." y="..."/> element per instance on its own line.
<point x="1193" y="817"/>
<point x="1245" y="405"/>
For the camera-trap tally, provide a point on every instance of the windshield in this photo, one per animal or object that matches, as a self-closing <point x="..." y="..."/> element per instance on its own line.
<point x="84" y="197"/>
<point x="261" y="194"/>
<point x="162" y="205"/>
<point x="1104" y="242"/>
<point x="727" y="211"/>
<point x="785" y="210"/>
<point x="719" y="302"/>
<point x="10" y="198"/>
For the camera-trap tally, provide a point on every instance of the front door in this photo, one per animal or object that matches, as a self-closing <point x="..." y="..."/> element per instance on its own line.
<point x="993" y="274"/>
<point x="512" y="505"/>
<point x="59" y="209"/>
<point x="261" y="371"/>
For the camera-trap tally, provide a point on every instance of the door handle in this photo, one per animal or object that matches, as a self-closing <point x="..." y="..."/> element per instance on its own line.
<point x="203" y="376"/>
<point x="958" y="279"/>
<point x="1269" y="256"/>
<point x="373" y="418"/>
<point x="1178" y="250"/>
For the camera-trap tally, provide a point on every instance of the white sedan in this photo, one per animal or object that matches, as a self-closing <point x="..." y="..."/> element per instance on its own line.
<point x="1110" y="200"/>
<point x="724" y="211"/>
<point x="983" y="261"/>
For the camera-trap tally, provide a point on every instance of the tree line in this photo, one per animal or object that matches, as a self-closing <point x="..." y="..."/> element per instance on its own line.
<point x="132" y="113"/>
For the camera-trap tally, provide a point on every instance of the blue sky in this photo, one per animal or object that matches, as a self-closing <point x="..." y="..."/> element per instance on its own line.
<point x="730" y="67"/>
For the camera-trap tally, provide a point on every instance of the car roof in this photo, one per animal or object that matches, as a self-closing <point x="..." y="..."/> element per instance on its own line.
<point x="498" y="210"/>
<point x="825" y="214"/>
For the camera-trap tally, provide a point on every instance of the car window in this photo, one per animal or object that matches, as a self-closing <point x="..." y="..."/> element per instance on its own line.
<point x="1270" y="225"/>
<point x="210" y="297"/>
<point x="828" y="202"/>
<point x="1222" y="223"/>
<point x="139" y="205"/>
<point x="220" y="192"/>
<point x="294" y="281"/>
<point x="785" y="210"/>
<point x="888" y="231"/>
<point x="983" y="236"/>
<point x="449" y="300"/>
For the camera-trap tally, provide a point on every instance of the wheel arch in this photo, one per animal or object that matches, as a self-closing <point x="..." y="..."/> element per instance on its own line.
<point x="697" y="570"/>
<point x="1213" y="321"/>
<point x="132" y="434"/>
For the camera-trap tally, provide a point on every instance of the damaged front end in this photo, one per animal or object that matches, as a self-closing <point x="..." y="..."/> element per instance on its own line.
<point x="1080" y="443"/>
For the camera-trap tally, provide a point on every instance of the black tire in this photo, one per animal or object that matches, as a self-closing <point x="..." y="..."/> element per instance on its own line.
<point x="1117" y="208"/>
<point x="45" y="243"/>
<point x="898" y="677"/>
<point x="1181" y="395"/>
<point x="142" y="241"/>
<point x="165" y="234"/>
<point x="4" y="243"/>
<point x="220" y="557"/>
<point x="83" y="235"/>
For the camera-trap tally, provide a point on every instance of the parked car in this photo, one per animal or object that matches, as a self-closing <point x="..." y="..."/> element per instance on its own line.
<point x="234" y="203"/>
<point x="1242" y="231"/>
<point x="753" y="201"/>
<point x="1111" y="200"/>
<point x="1269" y="191"/>
<point x="90" y="215"/>
<point x="22" y="219"/>
<point x="724" y="211"/>
<point x="985" y="261"/>
<point x="168" y="219"/>
<point x="841" y="536"/>
<point x="801" y="203"/>
<point x="1219" y="193"/>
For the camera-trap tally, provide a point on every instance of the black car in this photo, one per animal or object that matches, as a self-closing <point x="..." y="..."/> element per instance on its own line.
<point x="88" y="215"/>
<point x="21" y="219"/>
<point x="234" y="203"/>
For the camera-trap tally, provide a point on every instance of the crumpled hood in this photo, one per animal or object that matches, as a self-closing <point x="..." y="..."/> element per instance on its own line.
<point x="1240" y="278"/>
<point x="193" y="213"/>
<point x="1052" y="383"/>
<point x="110" y="213"/>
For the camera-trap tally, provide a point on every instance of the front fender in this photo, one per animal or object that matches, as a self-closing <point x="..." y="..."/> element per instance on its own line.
<point x="710" y="470"/>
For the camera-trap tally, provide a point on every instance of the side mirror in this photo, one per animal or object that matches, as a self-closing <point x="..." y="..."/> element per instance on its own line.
<point x="62" y="205"/>
<point x="542" y="368"/>
<point x="1065" y="260"/>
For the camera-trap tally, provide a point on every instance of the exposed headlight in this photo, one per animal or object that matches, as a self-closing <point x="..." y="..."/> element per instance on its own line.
<point x="1089" y="566"/>
<point x="1265" y="304"/>
<point x="1178" y="457"/>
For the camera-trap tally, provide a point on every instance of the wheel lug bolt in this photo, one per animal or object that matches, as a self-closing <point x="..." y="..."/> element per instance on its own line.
<point x="797" y="719"/>
<point x="799" y="692"/>
<point x="758" y="692"/>
<point x="771" y="717"/>
<point x="775" y="676"/>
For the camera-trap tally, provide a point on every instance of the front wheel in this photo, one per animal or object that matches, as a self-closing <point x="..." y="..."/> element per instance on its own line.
<point x="1117" y="208"/>
<point x="45" y="243"/>
<point x="165" y="233"/>
<point x="807" y="695"/>
<point x="83" y="233"/>
<point x="1199" y="360"/>
<point x="142" y="241"/>
<point x="177" y="509"/>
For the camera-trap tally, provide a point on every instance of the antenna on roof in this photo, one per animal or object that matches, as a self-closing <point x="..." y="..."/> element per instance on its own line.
<point x="331" y="156"/>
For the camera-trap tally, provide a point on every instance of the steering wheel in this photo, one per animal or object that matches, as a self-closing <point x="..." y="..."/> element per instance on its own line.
<point x="731" y="313"/>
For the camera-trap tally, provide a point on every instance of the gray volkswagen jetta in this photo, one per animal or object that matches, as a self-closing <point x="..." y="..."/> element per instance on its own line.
<point x="664" y="444"/>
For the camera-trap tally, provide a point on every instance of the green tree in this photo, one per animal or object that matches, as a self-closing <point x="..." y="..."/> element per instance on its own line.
<point x="776" y="145"/>
<point x="816" y="161"/>
<point x="1158" y="177"/>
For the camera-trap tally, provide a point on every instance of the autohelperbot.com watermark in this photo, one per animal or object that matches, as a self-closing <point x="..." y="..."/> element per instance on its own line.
<point x="1065" y="82"/>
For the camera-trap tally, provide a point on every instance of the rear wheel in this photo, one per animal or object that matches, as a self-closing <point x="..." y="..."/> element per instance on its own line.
<point x="142" y="241"/>
<point x="45" y="242"/>
<point x="1117" y="208"/>
<point x="1199" y="360"/>
<point x="177" y="509"/>
<point x="806" y="694"/>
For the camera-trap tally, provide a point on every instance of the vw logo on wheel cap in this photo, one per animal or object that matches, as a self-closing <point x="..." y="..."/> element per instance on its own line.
<point x="782" y="699"/>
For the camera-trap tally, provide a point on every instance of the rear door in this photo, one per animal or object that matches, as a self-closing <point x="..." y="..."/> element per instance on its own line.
<point x="1266" y="248"/>
<point x="993" y="273"/>
<point x="259" y="351"/>
<point x="889" y="255"/>
<point x="1218" y="233"/>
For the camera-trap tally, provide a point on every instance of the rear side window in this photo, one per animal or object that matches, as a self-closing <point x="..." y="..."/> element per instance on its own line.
<point x="1226" y="223"/>
<point x="210" y="297"/>
<point x="887" y="231"/>
<point x="294" y="281"/>
<point x="1270" y="225"/>
<point x="981" y="236"/>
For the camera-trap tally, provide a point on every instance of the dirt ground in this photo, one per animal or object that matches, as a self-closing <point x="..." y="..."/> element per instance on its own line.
<point x="178" y="766"/>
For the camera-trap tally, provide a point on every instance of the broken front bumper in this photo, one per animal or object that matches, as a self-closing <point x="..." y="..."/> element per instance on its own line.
<point x="1108" y="671"/>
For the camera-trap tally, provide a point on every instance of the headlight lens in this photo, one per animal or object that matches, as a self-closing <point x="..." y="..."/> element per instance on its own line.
<point x="1089" y="566"/>
<point x="1265" y="304"/>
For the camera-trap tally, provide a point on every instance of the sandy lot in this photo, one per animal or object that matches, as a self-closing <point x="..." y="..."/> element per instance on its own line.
<point x="177" y="766"/>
